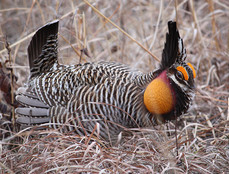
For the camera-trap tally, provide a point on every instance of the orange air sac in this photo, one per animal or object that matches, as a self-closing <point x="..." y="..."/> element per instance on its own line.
<point x="158" y="97"/>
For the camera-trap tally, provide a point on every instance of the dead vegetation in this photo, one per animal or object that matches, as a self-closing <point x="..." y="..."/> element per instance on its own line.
<point x="203" y="133"/>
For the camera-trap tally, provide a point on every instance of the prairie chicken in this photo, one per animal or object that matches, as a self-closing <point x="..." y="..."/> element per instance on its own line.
<point x="107" y="96"/>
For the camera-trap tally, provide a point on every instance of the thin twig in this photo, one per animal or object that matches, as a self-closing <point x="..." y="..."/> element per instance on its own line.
<point x="191" y="2"/>
<point x="176" y="12"/>
<point x="69" y="44"/>
<point x="177" y="145"/>
<point x="211" y="8"/>
<point x="84" y="31"/>
<point x="18" y="42"/>
<point x="11" y="83"/>
<point x="6" y="168"/>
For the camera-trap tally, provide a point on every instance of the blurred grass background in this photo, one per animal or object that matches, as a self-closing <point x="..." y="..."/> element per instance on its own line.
<point x="202" y="133"/>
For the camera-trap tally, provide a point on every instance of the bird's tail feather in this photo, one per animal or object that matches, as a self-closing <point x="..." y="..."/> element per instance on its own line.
<point x="42" y="51"/>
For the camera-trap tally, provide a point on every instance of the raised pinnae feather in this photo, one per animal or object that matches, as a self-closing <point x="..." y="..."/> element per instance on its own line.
<point x="170" y="51"/>
<point x="181" y="56"/>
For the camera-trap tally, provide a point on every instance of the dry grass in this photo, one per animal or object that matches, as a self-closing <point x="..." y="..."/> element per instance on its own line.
<point x="203" y="133"/>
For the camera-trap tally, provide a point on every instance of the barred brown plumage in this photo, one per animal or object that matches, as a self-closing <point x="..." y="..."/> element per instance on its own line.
<point x="110" y="95"/>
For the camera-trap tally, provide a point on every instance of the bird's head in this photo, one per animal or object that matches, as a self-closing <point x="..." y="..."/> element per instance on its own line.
<point x="170" y="93"/>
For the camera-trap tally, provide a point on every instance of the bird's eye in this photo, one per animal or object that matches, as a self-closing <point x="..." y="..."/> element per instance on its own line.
<point x="179" y="75"/>
<point x="182" y="73"/>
